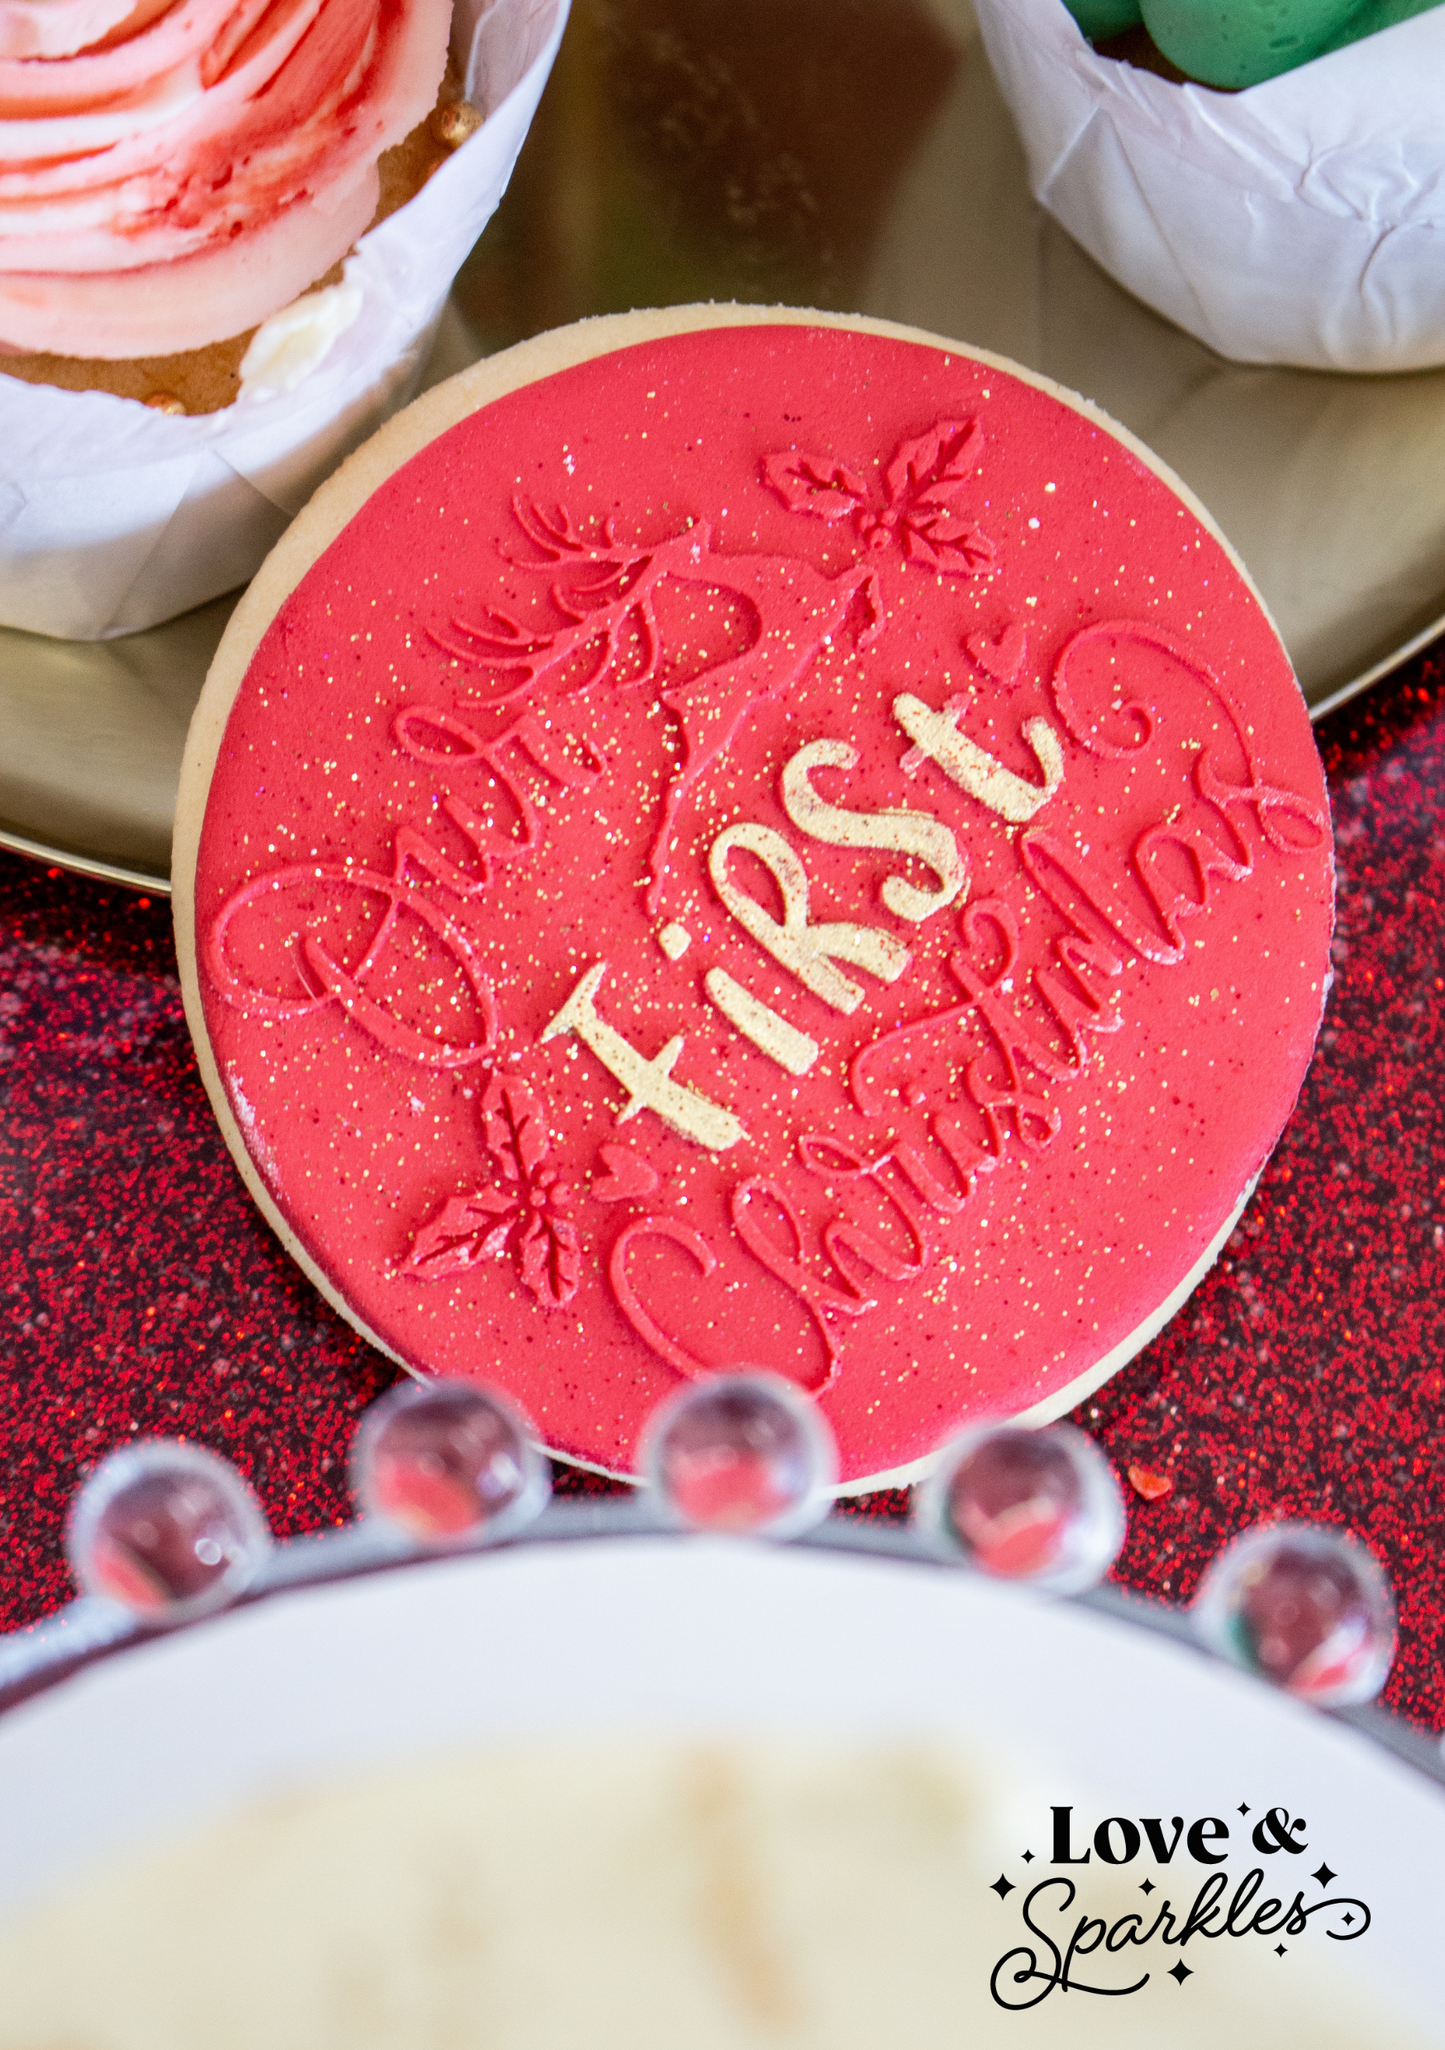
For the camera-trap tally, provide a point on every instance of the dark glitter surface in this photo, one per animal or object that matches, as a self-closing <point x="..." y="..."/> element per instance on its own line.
<point x="1306" y="1377"/>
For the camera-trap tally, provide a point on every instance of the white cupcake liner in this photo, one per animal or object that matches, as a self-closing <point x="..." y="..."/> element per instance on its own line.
<point x="1301" y="221"/>
<point x="114" y="517"/>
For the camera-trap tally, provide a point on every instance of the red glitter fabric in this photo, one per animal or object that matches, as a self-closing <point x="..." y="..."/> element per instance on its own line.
<point x="1306" y="1377"/>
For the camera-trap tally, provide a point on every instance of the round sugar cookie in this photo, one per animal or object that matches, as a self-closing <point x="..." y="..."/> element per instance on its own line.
<point x="742" y="838"/>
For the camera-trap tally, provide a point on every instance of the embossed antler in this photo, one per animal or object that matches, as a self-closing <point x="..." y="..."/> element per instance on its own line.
<point x="795" y="608"/>
<point x="612" y="609"/>
<point x="556" y="537"/>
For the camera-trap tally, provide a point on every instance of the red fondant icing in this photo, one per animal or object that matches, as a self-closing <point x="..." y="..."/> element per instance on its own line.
<point x="948" y="1125"/>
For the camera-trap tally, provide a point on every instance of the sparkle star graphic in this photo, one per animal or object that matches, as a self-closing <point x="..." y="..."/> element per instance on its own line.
<point x="1244" y="1807"/>
<point x="1181" y="1972"/>
<point x="1279" y="1950"/>
<point x="1146" y="1886"/>
<point x="1028" y="1857"/>
<point x="1002" y="1887"/>
<point x="1324" y="1875"/>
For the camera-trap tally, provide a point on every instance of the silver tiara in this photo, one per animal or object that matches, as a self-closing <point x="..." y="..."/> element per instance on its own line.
<point x="166" y="1533"/>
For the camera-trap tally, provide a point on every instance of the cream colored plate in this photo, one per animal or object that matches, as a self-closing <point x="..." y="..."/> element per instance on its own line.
<point x="1332" y="488"/>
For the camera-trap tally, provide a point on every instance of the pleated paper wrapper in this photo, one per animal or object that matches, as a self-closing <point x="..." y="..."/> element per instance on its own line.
<point x="1301" y="221"/>
<point x="114" y="516"/>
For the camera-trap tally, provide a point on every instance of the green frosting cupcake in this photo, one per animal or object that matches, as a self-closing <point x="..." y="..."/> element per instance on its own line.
<point x="1100" y="19"/>
<point x="1234" y="43"/>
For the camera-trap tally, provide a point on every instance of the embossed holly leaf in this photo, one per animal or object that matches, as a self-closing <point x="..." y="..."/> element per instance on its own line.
<point x="916" y="510"/>
<point x="814" y="484"/>
<point x="923" y="478"/>
<point x="945" y="543"/>
<point x="465" y="1230"/>
<point x="866" y="615"/>
<point x="524" y="1216"/>
<point x="935" y="467"/>
<point x="515" y="1126"/>
<point x="549" y="1258"/>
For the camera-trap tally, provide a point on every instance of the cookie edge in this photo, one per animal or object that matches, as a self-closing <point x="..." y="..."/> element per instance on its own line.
<point x="323" y="519"/>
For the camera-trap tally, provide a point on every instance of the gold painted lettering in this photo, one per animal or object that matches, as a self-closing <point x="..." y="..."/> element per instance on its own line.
<point x="760" y="1023"/>
<point x="936" y="738"/>
<point x="649" y="1083"/>
<point x="898" y="832"/>
<point x="807" y="951"/>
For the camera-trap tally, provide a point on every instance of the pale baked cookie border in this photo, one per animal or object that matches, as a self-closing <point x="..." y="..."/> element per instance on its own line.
<point x="342" y="497"/>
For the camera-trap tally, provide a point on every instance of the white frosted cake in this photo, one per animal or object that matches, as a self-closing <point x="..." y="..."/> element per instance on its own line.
<point x="719" y="1896"/>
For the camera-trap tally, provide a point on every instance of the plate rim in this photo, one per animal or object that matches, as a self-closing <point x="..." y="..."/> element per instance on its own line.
<point x="696" y="1639"/>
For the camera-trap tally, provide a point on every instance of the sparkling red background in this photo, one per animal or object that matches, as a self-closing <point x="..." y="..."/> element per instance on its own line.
<point x="1305" y="1377"/>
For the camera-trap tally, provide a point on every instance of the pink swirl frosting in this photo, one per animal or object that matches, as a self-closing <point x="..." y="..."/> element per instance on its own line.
<point x="172" y="174"/>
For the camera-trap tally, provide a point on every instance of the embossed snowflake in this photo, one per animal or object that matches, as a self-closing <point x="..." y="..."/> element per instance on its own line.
<point x="521" y="1216"/>
<point x="915" y="510"/>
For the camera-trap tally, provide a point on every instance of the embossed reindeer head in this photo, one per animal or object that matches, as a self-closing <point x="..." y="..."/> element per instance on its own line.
<point x="608" y="601"/>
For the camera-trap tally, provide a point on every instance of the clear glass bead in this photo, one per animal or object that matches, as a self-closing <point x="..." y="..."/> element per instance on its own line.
<point x="1304" y="1606"/>
<point x="743" y="1453"/>
<point x="1040" y="1505"/>
<point x="169" y="1530"/>
<point x="448" y="1462"/>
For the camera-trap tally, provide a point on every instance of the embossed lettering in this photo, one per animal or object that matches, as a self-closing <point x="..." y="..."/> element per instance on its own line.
<point x="807" y="951"/>
<point x="948" y="1202"/>
<point x="327" y="981"/>
<point x="1036" y="1122"/>
<point x="703" y="1255"/>
<point x="649" y="1083"/>
<point x="630" y="1303"/>
<point x="862" y="1084"/>
<point x="760" y="1023"/>
<point x="1204" y="859"/>
<point x="936" y="737"/>
<point x="835" y="1160"/>
<point x="897" y="832"/>
<point x="543" y="748"/>
<point x="1046" y="859"/>
<point x="1269" y="803"/>
<point x="968" y="1157"/>
<point x="531" y="737"/>
<point x="818" y="1296"/>
<point x="987" y="993"/>
<point x="1077" y="1006"/>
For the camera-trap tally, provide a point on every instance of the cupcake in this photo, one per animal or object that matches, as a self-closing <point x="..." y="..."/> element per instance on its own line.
<point x="172" y="187"/>
<point x="1293" y="222"/>
<point x="1233" y="43"/>
<point x="225" y="240"/>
